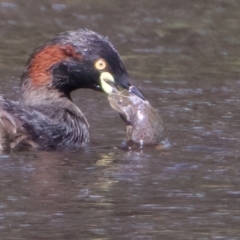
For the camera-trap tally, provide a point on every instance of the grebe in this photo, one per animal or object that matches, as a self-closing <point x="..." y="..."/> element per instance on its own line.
<point x="45" y="116"/>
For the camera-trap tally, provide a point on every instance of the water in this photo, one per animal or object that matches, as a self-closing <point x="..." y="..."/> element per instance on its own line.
<point x="185" y="57"/>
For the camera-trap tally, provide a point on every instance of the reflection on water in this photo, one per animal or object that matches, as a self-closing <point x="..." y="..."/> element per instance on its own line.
<point x="185" y="57"/>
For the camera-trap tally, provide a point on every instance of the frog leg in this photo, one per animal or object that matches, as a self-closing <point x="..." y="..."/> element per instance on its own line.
<point x="129" y="129"/>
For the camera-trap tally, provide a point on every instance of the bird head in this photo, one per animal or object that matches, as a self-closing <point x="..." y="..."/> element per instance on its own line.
<point x="77" y="59"/>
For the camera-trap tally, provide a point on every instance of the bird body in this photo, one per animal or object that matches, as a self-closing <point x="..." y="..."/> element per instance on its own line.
<point x="42" y="126"/>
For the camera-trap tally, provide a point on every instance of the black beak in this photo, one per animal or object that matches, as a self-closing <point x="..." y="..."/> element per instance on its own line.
<point x="136" y="91"/>
<point x="124" y="82"/>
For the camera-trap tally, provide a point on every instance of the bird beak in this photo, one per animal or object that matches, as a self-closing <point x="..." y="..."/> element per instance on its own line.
<point x="109" y="85"/>
<point x="136" y="91"/>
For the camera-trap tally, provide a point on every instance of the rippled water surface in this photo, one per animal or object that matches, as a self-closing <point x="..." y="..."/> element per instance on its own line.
<point x="185" y="56"/>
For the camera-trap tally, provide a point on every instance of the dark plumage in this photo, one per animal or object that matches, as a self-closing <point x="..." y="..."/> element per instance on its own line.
<point x="45" y="117"/>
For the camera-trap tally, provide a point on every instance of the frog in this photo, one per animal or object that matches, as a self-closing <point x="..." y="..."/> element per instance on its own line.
<point x="143" y="125"/>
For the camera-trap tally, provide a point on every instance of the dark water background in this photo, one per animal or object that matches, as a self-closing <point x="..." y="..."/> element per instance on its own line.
<point x="185" y="56"/>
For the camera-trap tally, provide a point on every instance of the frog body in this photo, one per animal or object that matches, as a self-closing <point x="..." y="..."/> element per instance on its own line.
<point x="143" y="124"/>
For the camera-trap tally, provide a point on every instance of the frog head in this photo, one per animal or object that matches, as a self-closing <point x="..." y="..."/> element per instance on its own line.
<point x="123" y="105"/>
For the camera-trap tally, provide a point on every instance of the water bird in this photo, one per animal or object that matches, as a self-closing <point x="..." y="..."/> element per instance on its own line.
<point x="45" y="117"/>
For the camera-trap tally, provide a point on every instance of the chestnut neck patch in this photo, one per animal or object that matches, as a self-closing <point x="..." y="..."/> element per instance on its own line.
<point x="41" y="63"/>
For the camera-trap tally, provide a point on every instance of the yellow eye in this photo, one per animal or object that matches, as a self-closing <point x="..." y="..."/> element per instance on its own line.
<point x="100" y="64"/>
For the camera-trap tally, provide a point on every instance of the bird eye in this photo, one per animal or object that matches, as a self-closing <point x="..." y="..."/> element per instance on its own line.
<point x="100" y="64"/>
